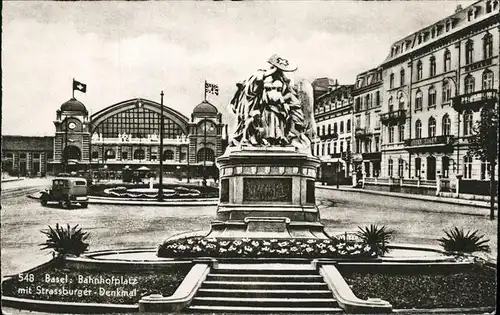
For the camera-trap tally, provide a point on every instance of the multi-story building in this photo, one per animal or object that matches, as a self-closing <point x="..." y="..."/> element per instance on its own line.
<point x="322" y="86"/>
<point x="423" y="135"/>
<point x="123" y="135"/>
<point x="367" y="94"/>
<point x="333" y="116"/>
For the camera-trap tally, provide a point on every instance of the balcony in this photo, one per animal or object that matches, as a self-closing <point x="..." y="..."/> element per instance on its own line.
<point x="393" y="117"/>
<point x="430" y="143"/>
<point x="357" y="157"/>
<point x="475" y="100"/>
<point x="478" y="64"/>
<point x="361" y="132"/>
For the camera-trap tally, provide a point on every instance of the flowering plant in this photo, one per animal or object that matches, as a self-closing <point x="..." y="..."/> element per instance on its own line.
<point x="264" y="248"/>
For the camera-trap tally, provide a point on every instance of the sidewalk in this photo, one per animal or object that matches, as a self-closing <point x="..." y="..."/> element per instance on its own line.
<point x="456" y="201"/>
<point x="25" y="183"/>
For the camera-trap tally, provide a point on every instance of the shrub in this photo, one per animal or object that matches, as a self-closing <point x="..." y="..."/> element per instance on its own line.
<point x="377" y="237"/>
<point x="456" y="240"/>
<point x="65" y="241"/>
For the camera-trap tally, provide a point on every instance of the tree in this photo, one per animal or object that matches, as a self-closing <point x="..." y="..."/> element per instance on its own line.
<point x="484" y="145"/>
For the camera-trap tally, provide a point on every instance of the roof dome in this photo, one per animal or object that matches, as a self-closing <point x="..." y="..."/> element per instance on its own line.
<point x="205" y="108"/>
<point x="73" y="105"/>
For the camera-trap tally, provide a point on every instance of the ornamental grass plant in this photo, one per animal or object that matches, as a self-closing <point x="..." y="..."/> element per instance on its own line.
<point x="458" y="241"/>
<point x="65" y="240"/>
<point x="376" y="237"/>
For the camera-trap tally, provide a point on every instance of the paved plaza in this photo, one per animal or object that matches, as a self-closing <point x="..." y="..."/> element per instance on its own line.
<point x="113" y="226"/>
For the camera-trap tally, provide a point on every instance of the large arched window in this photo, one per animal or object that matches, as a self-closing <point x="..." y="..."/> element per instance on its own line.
<point x="419" y="70"/>
<point x="446" y="125"/>
<point x="432" y="66"/>
<point x="446" y="91"/>
<point x="418" y="100"/>
<point x="206" y="154"/>
<point x="72" y="152"/>
<point x="139" y="154"/>
<point x="168" y="155"/>
<point x="431" y="97"/>
<point x="447" y="61"/>
<point x="418" y="129"/>
<point x="432" y="127"/>
<point x="469" y="84"/>
<point x="469" y="52"/>
<point x="467" y="123"/>
<point x="138" y="122"/>
<point x="487" y="46"/>
<point x="487" y="80"/>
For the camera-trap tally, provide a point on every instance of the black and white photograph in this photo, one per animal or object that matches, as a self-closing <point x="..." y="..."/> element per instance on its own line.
<point x="249" y="157"/>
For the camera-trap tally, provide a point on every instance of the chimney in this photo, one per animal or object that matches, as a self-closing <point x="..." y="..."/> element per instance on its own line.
<point x="459" y="8"/>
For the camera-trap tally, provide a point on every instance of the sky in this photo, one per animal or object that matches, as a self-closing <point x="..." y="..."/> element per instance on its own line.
<point x="128" y="50"/>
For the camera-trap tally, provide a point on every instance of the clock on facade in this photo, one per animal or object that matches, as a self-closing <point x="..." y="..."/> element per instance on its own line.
<point x="71" y="125"/>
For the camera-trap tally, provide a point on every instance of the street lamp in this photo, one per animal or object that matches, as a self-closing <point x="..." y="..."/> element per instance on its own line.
<point x="205" y="153"/>
<point x="160" y="187"/>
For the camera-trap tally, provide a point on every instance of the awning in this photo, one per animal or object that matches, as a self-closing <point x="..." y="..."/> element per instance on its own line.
<point x="143" y="168"/>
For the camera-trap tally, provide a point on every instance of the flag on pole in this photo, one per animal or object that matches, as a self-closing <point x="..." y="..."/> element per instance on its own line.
<point x="78" y="86"/>
<point x="211" y="88"/>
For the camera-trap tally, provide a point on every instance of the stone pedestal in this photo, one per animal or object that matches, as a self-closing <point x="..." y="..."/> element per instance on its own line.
<point x="267" y="192"/>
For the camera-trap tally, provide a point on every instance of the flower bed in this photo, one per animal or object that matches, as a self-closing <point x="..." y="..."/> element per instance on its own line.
<point x="84" y="286"/>
<point x="263" y="248"/>
<point x="172" y="191"/>
<point x="472" y="287"/>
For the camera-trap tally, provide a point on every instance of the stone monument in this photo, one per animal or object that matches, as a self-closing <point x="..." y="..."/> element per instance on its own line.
<point x="267" y="174"/>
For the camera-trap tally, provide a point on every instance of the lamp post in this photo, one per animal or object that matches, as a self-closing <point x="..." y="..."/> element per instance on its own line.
<point x="205" y="153"/>
<point x="160" y="185"/>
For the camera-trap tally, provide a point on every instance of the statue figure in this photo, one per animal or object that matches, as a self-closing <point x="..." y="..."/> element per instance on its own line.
<point x="268" y="109"/>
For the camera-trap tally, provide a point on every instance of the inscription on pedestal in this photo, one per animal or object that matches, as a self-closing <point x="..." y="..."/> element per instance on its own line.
<point x="267" y="189"/>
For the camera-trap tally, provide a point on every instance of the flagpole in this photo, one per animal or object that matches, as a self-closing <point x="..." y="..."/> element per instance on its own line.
<point x="73" y="88"/>
<point x="205" y="93"/>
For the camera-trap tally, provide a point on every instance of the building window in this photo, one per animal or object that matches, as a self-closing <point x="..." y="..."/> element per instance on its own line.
<point x="469" y="84"/>
<point x="357" y="105"/>
<point x="318" y="131"/>
<point x="335" y="147"/>
<point x="391" y="134"/>
<point x="419" y="70"/>
<point x="401" y="165"/>
<point x="125" y="155"/>
<point x="468" y="166"/>
<point x="467" y="123"/>
<point x="402" y="77"/>
<point x="432" y="66"/>
<point x="390" y="168"/>
<point x="168" y="155"/>
<point x="401" y="133"/>
<point x="488" y="6"/>
<point x="418" y="129"/>
<point x="377" y="144"/>
<point x="335" y="129"/>
<point x="367" y="101"/>
<point x="341" y="146"/>
<point x="341" y="127"/>
<point x="391" y="81"/>
<point x="447" y="60"/>
<point x="432" y="97"/>
<point x="377" y="98"/>
<point x="485" y="169"/>
<point x="445" y="166"/>
<point x="139" y="154"/>
<point x="469" y="52"/>
<point x="401" y="101"/>
<point x="432" y="127"/>
<point x="22" y="155"/>
<point x="418" y="100"/>
<point x="36" y="155"/>
<point x="446" y="91"/>
<point x="487" y="46"/>
<point x="205" y="154"/>
<point x="487" y="80"/>
<point x="391" y="105"/>
<point x="110" y="154"/>
<point x="418" y="166"/>
<point x="446" y="125"/>
<point x="317" y="149"/>
<point x="328" y="148"/>
<point x="348" y="125"/>
<point x="329" y="129"/>
<point x="95" y="154"/>
<point x="323" y="130"/>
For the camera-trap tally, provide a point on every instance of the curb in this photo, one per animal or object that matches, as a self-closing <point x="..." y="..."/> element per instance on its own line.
<point x="416" y="197"/>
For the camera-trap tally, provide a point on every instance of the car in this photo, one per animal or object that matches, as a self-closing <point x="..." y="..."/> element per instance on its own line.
<point x="67" y="191"/>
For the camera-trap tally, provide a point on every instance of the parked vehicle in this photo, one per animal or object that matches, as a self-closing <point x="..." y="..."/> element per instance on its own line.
<point x="67" y="191"/>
